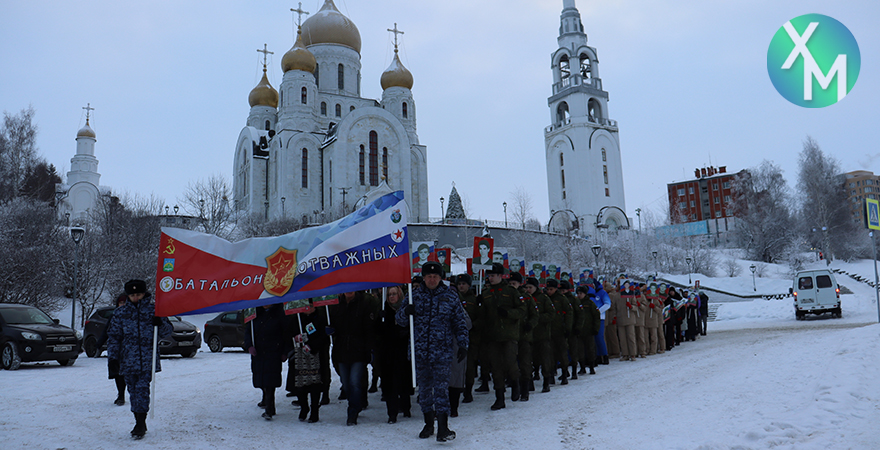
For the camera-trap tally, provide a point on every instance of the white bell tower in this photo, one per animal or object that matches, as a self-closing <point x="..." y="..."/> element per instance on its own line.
<point x="584" y="171"/>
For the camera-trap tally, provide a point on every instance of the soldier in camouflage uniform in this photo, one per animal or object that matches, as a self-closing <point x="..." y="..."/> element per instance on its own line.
<point x="524" y="346"/>
<point x="130" y="343"/>
<point x="440" y="322"/>
<point x="575" y="347"/>
<point x="592" y="325"/>
<point x="560" y="329"/>
<point x="469" y="302"/>
<point x="502" y="310"/>
<point x="542" y="353"/>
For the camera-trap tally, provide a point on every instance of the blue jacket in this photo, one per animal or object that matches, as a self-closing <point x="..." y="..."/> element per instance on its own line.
<point x="439" y="323"/>
<point x="130" y="336"/>
<point x="602" y="300"/>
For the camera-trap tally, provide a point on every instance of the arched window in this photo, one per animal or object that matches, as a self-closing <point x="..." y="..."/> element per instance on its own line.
<point x="268" y="125"/>
<point x="323" y="108"/>
<point x="564" y="70"/>
<point x="305" y="168"/>
<point x="603" y="155"/>
<point x="585" y="66"/>
<point x="341" y="76"/>
<point x="605" y="173"/>
<point x="351" y="108"/>
<point x="561" y="160"/>
<point x="405" y="112"/>
<point x="562" y="175"/>
<point x="385" y="163"/>
<point x="361" y="164"/>
<point x="317" y="78"/>
<point x="594" y="110"/>
<point x="338" y="110"/>
<point x="562" y="114"/>
<point x="374" y="158"/>
<point x="304" y="96"/>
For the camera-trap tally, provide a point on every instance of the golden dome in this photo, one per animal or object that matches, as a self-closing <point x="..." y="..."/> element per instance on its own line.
<point x="86" y="131"/>
<point x="329" y="26"/>
<point x="396" y="75"/>
<point x="264" y="94"/>
<point x="298" y="57"/>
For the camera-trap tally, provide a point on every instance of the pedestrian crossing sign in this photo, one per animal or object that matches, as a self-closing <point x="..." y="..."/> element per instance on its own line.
<point x="872" y="214"/>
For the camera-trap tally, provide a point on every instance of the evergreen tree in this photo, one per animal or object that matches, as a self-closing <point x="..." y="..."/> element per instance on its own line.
<point x="456" y="209"/>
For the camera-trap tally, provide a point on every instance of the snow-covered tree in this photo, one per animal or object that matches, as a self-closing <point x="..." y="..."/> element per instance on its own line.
<point x="209" y="200"/>
<point x="764" y="223"/>
<point x="18" y="152"/>
<point x="456" y="208"/>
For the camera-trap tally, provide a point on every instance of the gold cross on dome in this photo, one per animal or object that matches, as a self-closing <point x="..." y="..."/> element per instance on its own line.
<point x="88" y="109"/>
<point x="299" y="11"/>
<point x="265" y="51"/>
<point x="396" y="32"/>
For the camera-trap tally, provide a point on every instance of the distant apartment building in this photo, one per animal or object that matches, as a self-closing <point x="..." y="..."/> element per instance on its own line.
<point x="861" y="184"/>
<point x="707" y="196"/>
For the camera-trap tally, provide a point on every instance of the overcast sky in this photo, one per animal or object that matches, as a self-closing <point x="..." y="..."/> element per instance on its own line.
<point x="687" y="83"/>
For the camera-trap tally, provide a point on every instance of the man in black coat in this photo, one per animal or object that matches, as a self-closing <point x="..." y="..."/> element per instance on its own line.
<point x="352" y="325"/>
<point x="264" y="341"/>
<point x="704" y="312"/>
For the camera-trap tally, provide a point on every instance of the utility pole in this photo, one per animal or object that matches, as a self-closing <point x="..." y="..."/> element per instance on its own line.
<point x="344" y="192"/>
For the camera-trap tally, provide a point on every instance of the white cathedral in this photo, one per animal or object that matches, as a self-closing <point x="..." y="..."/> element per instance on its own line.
<point x="315" y="147"/>
<point x="79" y="194"/>
<point x="581" y="139"/>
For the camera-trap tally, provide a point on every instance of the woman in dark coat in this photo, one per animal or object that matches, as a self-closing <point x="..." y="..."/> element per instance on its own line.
<point x="309" y="372"/>
<point x="392" y="350"/>
<point x="672" y="323"/>
<point x="692" y="317"/>
<point x="112" y="364"/>
<point x="268" y="348"/>
<point x="352" y="321"/>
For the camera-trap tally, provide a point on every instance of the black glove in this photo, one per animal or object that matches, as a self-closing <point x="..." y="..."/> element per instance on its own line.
<point x="157" y="321"/>
<point x="113" y="366"/>
<point x="409" y="310"/>
<point x="502" y="312"/>
<point x="527" y="327"/>
<point x="462" y="354"/>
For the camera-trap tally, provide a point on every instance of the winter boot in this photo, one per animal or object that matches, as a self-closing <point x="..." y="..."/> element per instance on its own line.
<point x="443" y="432"/>
<point x="605" y="360"/>
<point x="374" y="385"/>
<point x="140" y="426"/>
<point x="524" y="390"/>
<point x="325" y="396"/>
<point x="316" y="405"/>
<point x="574" y="371"/>
<point x="303" y="407"/>
<point x="514" y="391"/>
<point x="583" y="369"/>
<point x="546" y="387"/>
<point x="563" y="380"/>
<point x="352" y="418"/>
<point x="468" y="396"/>
<point x="484" y="386"/>
<point x="531" y="385"/>
<point x="454" y="396"/>
<point x="120" y="400"/>
<point x="428" y="430"/>
<point x="499" y="401"/>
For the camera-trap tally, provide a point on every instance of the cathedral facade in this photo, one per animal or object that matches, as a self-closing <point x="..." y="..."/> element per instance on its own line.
<point x="79" y="194"/>
<point x="582" y="142"/>
<point x="315" y="147"/>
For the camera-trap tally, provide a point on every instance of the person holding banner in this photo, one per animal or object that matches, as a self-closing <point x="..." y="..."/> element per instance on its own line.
<point x="308" y="374"/>
<point x="268" y="348"/>
<point x="353" y="329"/>
<point x="440" y="326"/>
<point x="130" y="341"/>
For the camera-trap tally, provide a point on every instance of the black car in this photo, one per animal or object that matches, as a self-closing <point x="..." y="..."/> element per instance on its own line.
<point x="185" y="340"/>
<point x="225" y="330"/>
<point x="28" y="334"/>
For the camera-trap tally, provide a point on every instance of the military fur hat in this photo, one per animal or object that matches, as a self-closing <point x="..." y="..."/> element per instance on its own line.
<point x="564" y="284"/>
<point x="516" y="276"/>
<point x="497" y="268"/>
<point x="552" y="283"/>
<point x="533" y="281"/>
<point x="136" y="287"/>
<point x="432" y="267"/>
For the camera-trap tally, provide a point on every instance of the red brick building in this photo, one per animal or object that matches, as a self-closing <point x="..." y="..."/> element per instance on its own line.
<point x="707" y="196"/>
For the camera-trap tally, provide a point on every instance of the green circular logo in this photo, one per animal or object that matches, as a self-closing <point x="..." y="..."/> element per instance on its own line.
<point x="813" y="61"/>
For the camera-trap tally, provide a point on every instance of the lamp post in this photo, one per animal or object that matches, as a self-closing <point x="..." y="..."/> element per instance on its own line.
<point x="442" y="214"/>
<point x="639" y="216"/>
<point x="596" y="250"/>
<point x="76" y="233"/>
<point x="176" y="208"/>
<point x="282" y="206"/>
<point x="266" y="204"/>
<point x="754" y="268"/>
<point x="505" y="213"/>
<point x="688" y="260"/>
<point x="166" y="210"/>
<point x="656" y="270"/>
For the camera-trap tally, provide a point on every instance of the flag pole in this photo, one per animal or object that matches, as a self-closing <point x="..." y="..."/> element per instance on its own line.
<point x="412" y="337"/>
<point x="153" y="369"/>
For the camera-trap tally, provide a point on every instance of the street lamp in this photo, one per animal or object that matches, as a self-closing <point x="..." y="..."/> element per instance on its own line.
<point x="753" y="268"/>
<point x="688" y="260"/>
<point x="442" y="214"/>
<point x="166" y="210"/>
<point x="505" y="213"/>
<point x="282" y="206"/>
<point x="176" y="208"/>
<point x="656" y="272"/>
<point x="266" y="203"/>
<point x="596" y="250"/>
<point x="639" y="216"/>
<point x="76" y="233"/>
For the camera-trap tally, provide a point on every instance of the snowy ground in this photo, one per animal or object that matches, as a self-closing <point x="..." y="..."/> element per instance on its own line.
<point x="759" y="380"/>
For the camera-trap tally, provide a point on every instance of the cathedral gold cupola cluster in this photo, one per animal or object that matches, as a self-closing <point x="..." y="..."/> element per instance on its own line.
<point x="315" y="148"/>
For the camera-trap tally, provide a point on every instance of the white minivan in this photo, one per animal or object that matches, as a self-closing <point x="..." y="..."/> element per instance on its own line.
<point x="815" y="292"/>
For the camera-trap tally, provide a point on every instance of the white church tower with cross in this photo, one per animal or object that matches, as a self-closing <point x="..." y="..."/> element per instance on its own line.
<point x="582" y="145"/>
<point x="312" y="149"/>
<point x="77" y="196"/>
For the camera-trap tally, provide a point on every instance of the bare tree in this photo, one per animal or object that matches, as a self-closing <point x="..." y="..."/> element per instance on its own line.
<point x="520" y="206"/>
<point x="18" y="152"/>
<point x="209" y="201"/>
<point x="761" y="205"/>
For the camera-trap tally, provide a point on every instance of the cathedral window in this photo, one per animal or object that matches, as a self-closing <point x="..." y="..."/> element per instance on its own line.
<point x="385" y="163"/>
<point x="561" y="160"/>
<point x="305" y="168"/>
<point x="341" y="76"/>
<point x="268" y="125"/>
<point x="338" y="110"/>
<point x="603" y="155"/>
<point x="404" y="110"/>
<point x="605" y="173"/>
<point x="323" y="108"/>
<point x="585" y="66"/>
<point x="564" y="71"/>
<point x="361" y="164"/>
<point x="594" y="110"/>
<point x="374" y="158"/>
<point x="607" y="194"/>
<point x="563" y="195"/>
<point x="562" y="114"/>
<point x="562" y="175"/>
<point x="304" y="96"/>
<point x="317" y="78"/>
<point x="351" y="108"/>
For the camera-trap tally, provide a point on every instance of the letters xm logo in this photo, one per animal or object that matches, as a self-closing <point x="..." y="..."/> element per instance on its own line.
<point x="813" y="61"/>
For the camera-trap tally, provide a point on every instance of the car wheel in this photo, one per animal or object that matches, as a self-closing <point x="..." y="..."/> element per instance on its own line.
<point x="189" y="354"/>
<point x="91" y="347"/>
<point x="215" y="344"/>
<point x="67" y="362"/>
<point x="10" y="358"/>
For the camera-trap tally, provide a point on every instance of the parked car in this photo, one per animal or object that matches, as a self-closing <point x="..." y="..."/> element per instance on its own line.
<point x="28" y="334"/>
<point x="225" y="330"/>
<point x="815" y="292"/>
<point x="185" y="340"/>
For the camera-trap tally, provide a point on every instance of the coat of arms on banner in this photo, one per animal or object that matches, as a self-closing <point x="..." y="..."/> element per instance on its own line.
<point x="280" y="270"/>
